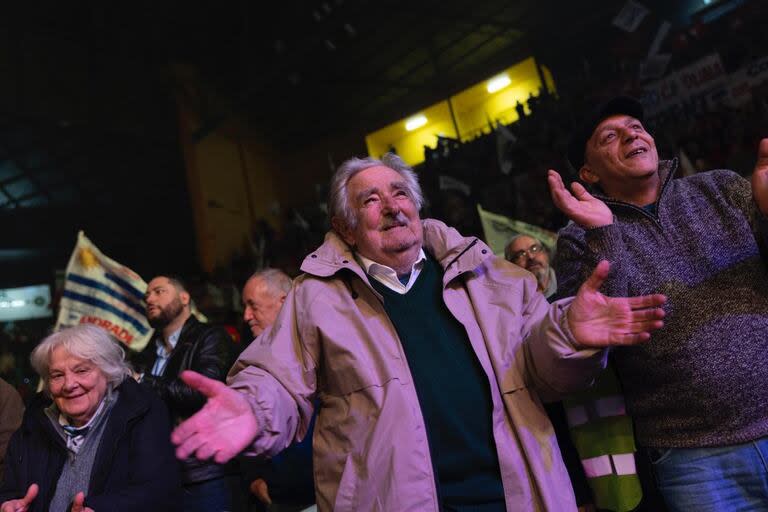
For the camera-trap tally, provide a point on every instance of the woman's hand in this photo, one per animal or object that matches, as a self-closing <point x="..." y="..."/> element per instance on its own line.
<point x="21" y="505"/>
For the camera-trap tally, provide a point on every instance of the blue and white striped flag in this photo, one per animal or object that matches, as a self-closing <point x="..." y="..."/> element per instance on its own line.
<point x="100" y="291"/>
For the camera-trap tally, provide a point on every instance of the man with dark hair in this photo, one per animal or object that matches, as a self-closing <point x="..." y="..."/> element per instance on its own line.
<point x="698" y="391"/>
<point x="426" y="355"/>
<point x="181" y="343"/>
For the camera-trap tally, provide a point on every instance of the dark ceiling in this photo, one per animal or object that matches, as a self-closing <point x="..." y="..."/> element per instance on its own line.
<point x="306" y="67"/>
<point x="88" y="126"/>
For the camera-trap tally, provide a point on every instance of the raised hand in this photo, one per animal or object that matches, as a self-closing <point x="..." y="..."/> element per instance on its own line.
<point x="580" y="206"/>
<point x="760" y="177"/>
<point x="599" y="321"/>
<point x="78" y="504"/>
<point x="23" y="504"/>
<point x="221" y="429"/>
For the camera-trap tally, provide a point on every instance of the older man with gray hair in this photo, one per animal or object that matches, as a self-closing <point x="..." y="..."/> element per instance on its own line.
<point x="263" y="296"/>
<point x="426" y="355"/>
<point x="530" y="254"/>
<point x="283" y="482"/>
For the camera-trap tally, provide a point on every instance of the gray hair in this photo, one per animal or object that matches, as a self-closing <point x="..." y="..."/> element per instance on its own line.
<point x="338" y="200"/>
<point x="86" y="342"/>
<point x="276" y="280"/>
<point x="508" y="252"/>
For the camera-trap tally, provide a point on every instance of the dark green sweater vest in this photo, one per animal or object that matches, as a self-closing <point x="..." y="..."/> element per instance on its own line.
<point x="453" y="392"/>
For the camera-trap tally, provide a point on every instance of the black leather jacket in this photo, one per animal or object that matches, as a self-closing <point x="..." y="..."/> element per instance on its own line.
<point x="203" y="348"/>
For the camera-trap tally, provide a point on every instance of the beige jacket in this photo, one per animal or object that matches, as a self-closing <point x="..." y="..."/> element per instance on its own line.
<point x="334" y="342"/>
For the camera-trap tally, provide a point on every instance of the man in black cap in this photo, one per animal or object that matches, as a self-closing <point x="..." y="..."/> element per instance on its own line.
<point x="698" y="391"/>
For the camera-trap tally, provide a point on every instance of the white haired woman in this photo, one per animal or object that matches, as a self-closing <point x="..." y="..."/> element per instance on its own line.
<point x="94" y="440"/>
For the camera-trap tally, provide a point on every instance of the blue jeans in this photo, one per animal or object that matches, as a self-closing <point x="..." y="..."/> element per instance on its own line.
<point x="209" y="496"/>
<point x="729" y="478"/>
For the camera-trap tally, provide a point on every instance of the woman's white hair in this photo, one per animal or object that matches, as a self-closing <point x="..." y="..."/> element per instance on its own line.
<point x="86" y="342"/>
<point x="338" y="200"/>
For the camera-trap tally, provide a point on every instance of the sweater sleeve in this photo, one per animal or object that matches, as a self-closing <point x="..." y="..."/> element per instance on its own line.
<point x="10" y="420"/>
<point x="578" y="253"/>
<point x="11" y="483"/>
<point x="738" y="193"/>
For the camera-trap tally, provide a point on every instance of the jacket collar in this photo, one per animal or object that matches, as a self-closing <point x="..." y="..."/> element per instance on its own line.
<point x="667" y="171"/>
<point x="455" y="253"/>
<point x="128" y="406"/>
<point x="188" y="324"/>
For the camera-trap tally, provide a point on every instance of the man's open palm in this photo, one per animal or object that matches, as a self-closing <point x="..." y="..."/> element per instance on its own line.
<point x="577" y="204"/>
<point x="600" y="321"/>
<point x="221" y="429"/>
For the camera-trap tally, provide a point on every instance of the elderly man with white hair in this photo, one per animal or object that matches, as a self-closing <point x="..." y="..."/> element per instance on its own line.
<point x="426" y="355"/>
<point x="94" y="440"/>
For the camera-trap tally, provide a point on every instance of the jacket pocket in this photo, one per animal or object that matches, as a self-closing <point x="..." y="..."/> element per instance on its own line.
<point x="658" y="455"/>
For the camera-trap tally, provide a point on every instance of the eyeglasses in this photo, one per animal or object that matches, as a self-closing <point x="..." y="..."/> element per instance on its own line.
<point x="534" y="249"/>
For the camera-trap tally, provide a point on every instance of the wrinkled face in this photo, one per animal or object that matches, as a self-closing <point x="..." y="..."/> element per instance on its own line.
<point x="261" y="305"/>
<point x="388" y="229"/>
<point x="528" y="253"/>
<point x="164" y="302"/>
<point x="619" y="151"/>
<point x="76" y="385"/>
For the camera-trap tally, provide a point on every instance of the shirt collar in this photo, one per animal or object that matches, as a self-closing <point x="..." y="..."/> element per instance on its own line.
<point x="387" y="275"/>
<point x="173" y="339"/>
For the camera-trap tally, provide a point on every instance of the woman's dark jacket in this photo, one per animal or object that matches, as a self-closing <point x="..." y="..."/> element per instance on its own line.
<point x="135" y="468"/>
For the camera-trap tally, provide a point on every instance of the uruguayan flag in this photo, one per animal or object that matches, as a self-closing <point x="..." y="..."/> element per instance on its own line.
<point x="100" y="291"/>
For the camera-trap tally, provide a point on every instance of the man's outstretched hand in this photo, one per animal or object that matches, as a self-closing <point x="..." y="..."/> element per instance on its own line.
<point x="598" y="321"/>
<point x="221" y="429"/>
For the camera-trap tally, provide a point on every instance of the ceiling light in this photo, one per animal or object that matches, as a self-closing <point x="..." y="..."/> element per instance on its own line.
<point x="497" y="83"/>
<point x="415" y="122"/>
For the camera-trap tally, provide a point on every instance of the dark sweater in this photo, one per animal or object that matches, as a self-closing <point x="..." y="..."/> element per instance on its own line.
<point x="702" y="380"/>
<point x="453" y="393"/>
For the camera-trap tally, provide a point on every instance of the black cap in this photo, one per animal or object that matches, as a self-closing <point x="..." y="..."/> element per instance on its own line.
<point x="618" y="105"/>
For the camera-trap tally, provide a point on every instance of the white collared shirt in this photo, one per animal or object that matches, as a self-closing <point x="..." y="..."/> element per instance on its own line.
<point x="388" y="277"/>
<point x="162" y="355"/>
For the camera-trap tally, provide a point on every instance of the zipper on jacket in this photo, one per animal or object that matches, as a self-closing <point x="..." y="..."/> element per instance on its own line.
<point x="655" y="218"/>
<point x="468" y="247"/>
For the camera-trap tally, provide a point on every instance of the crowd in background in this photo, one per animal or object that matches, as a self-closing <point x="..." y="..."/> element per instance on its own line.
<point x="504" y="170"/>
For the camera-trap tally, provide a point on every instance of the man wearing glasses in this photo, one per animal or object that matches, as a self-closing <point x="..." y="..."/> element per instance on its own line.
<point x="530" y="254"/>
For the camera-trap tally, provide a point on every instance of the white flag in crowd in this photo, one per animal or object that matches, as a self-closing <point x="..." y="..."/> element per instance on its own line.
<point x="102" y="292"/>
<point x="499" y="230"/>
